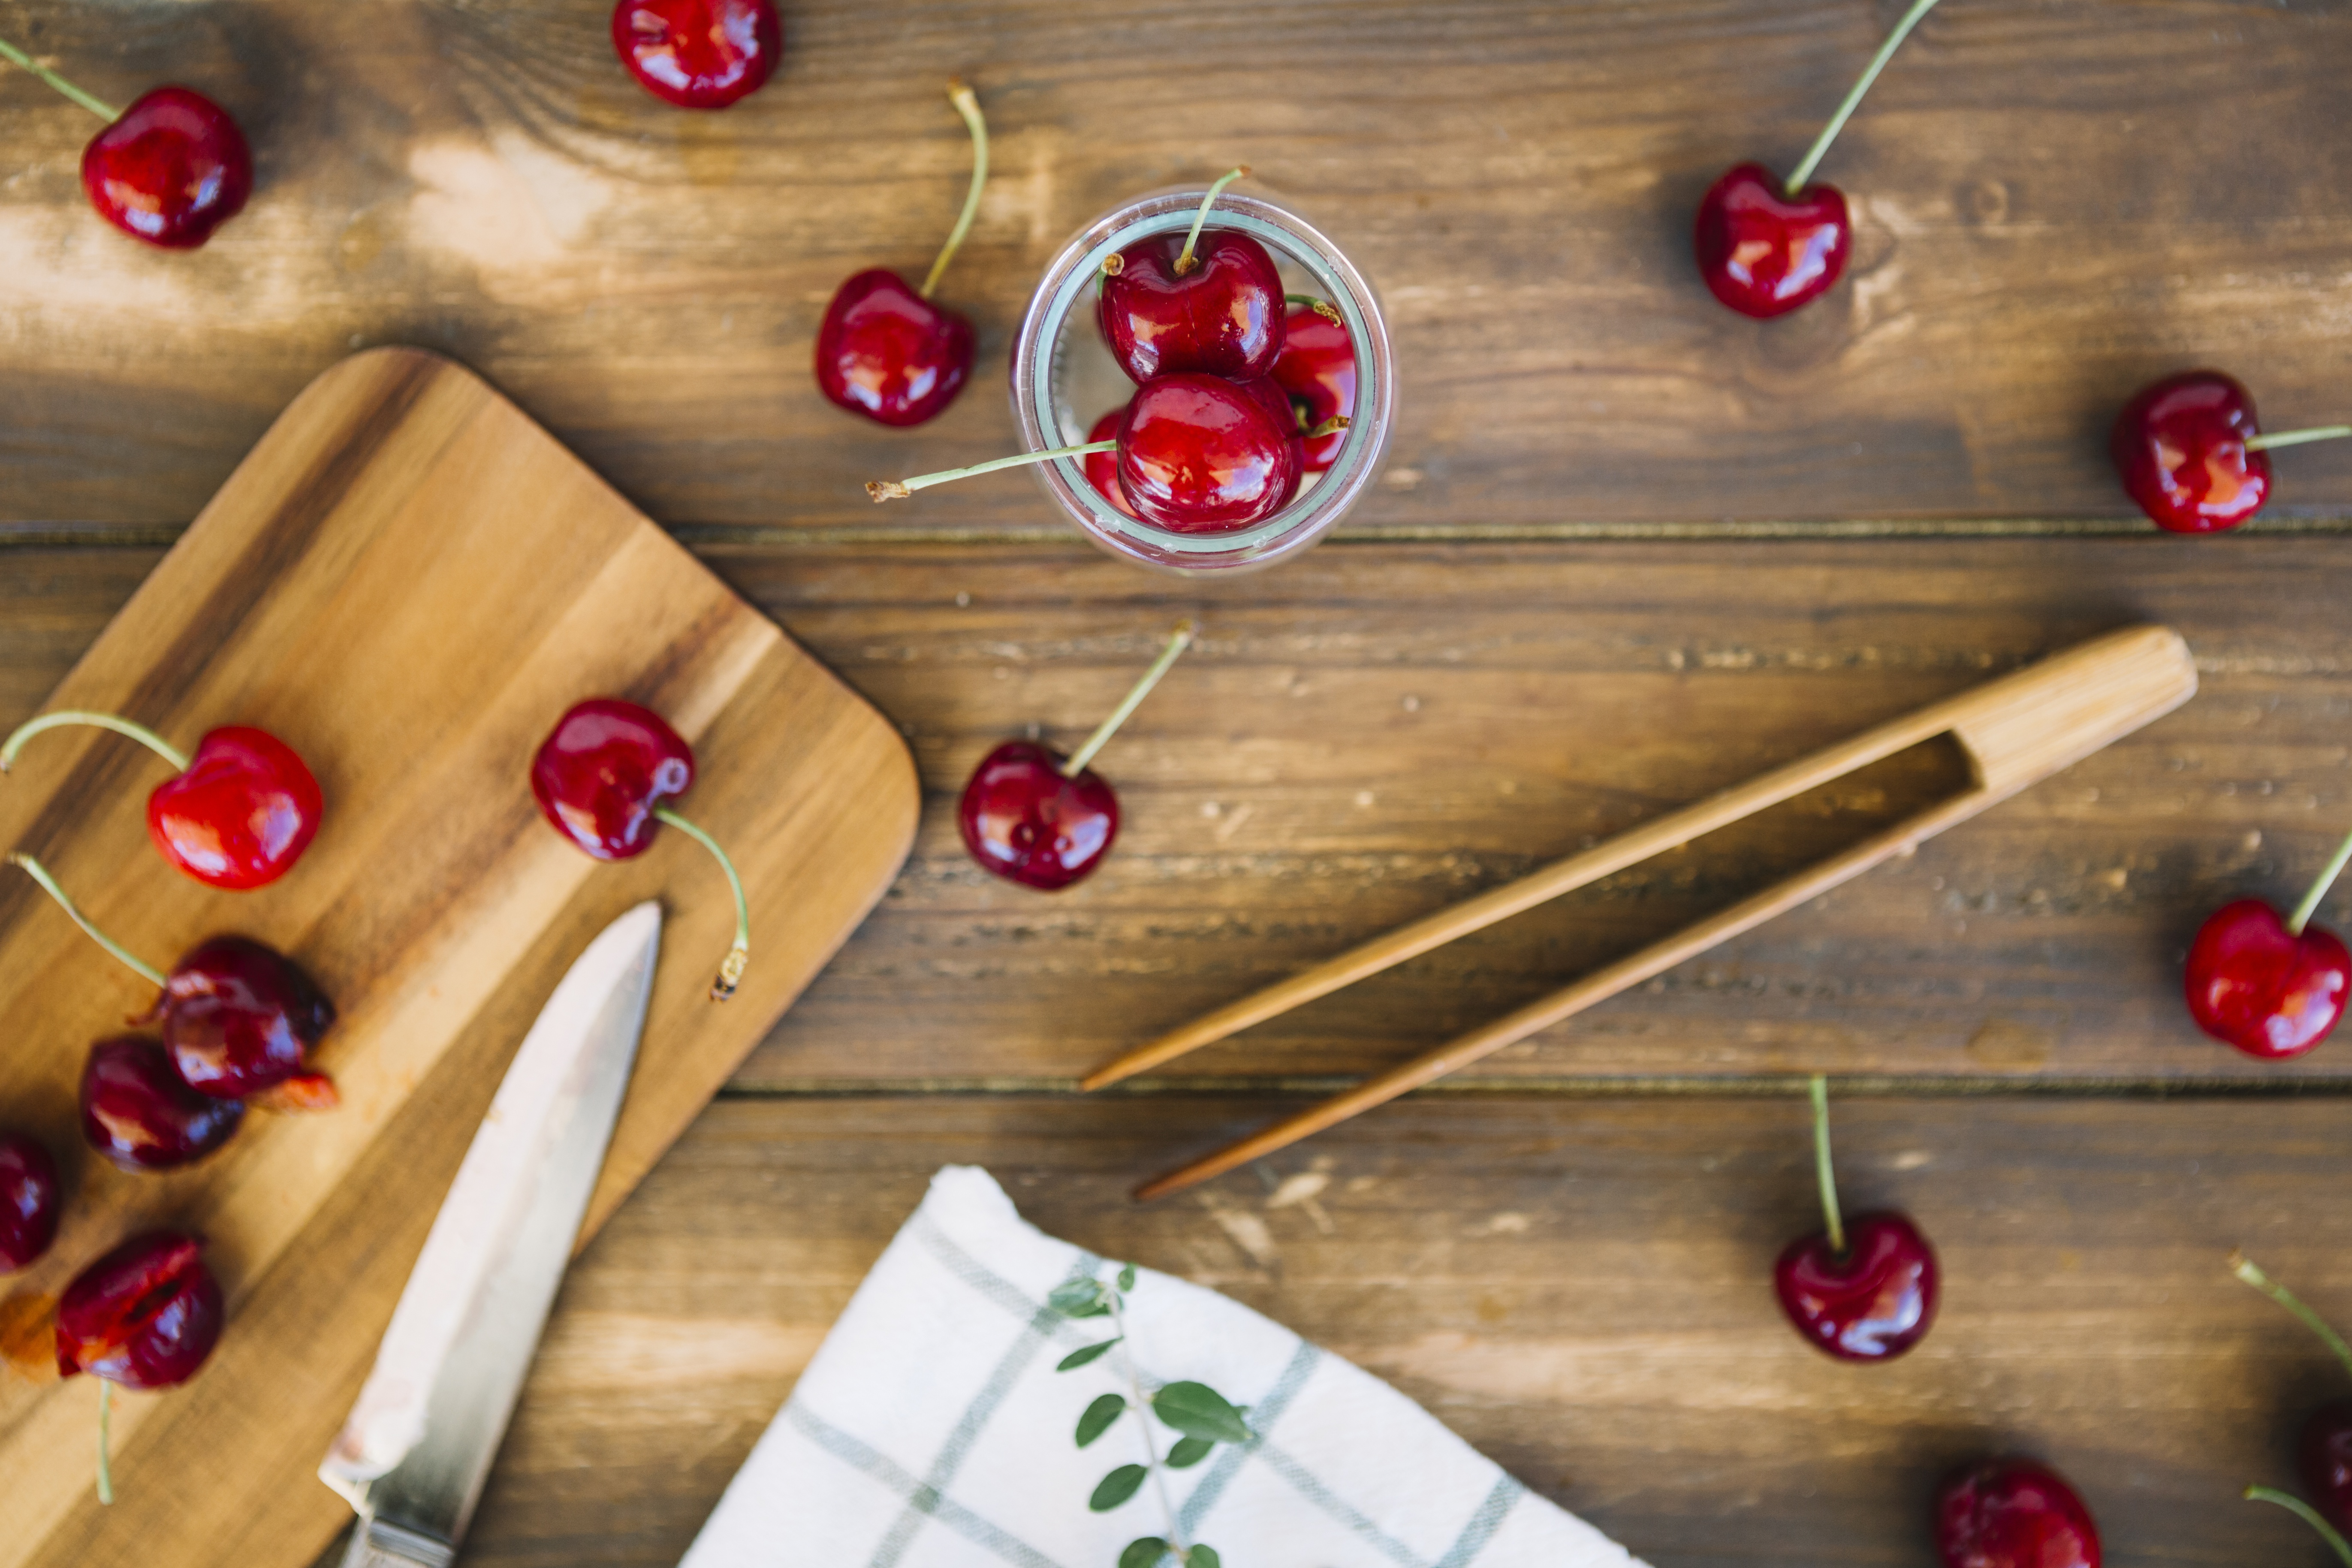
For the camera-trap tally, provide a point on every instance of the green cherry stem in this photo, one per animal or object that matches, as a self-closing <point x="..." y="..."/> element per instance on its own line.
<point x="2243" y="1267"/>
<point x="730" y="971"/>
<point x="40" y="873"/>
<point x="899" y="490"/>
<point x="1323" y="308"/>
<point x="105" y="1461"/>
<point x="120" y="726"/>
<point x="2305" y="1512"/>
<point x="969" y="106"/>
<point x="22" y="61"/>
<point x="1821" y="1171"/>
<point x="1845" y="111"/>
<point x="2312" y="900"/>
<point x="1185" y="259"/>
<point x="2298" y="437"/>
<point x="1178" y="641"/>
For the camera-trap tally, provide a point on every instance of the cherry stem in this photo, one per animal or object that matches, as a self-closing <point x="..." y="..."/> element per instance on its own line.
<point x="1821" y="1170"/>
<point x="730" y="973"/>
<point x="105" y="1425"/>
<point x="2243" y="1267"/>
<point x="97" y="106"/>
<point x="40" y="873"/>
<point x="2312" y="900"/>
<point x="1181" y="639"/>
<point x="2298" y="437"/>
<point x="1845" y="111"/>
<point x="969" y="106"/>
<point x="899" y="490"/>
<point x="2305" y="1512"/>
<point x="1331" y="427"/>
<point x="1185" y="260"/>
<point x="120" y="726"/>
<point x="1323" y="308"/>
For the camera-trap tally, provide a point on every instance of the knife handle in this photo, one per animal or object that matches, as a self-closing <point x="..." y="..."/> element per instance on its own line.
<point x="375" y="1543"/>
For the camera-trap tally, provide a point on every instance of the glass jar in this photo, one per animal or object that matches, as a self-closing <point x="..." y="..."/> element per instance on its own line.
<point x="1064" y="379"/>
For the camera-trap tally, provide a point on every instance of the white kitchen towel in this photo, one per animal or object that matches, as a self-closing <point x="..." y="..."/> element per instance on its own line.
<point x="932" y="1431"/>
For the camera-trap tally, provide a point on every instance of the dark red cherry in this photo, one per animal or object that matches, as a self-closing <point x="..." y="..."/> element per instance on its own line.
<point x="1198" y="454"/>
<point x="2180" y="448"/>
<point x="239" y="1017"/>
<point x="603" y="770"/>
<point x="2013" y="1514"/>
<point x="885" y="351"/>
<point x="241" y="814"/>
<point x="1022" y="820"/>
<point x="1102" y="468"/>
<point x="1872" y="1302"/>
<point x="146" y="1315"/>
<point x="28" y="1202"/>
<point x="698" y="54"/>
<point x="1317" y="370"/>
<point x="137" y="1112"/>
<point x="1222" y="317"/>
<point x="1764" y="252"/>
<point x="173" y="168"/>
<point x="2253" y="985"/>
<point x="2326" y="1452"/>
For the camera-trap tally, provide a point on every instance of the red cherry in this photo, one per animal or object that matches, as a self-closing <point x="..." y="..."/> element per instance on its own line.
<point x="28" y="1202"/>
<point x="146" y="1315"/>
<point x="169" y="169"/>
<point x="1316" y="369"/>
<point x="2014" y="1513"/>
<point x="1200" y="455"/>
<point x="1102" y="468"/>
<point x="2326" y="1455"/>
<point x="1871" y="1302"/>
<point x="1022" y="820"/>
<point x="889" y="353"/>
<point x="1764" y="252"/>
<point x="1221" y="317"/>
<point x="239" y="1017"/>
<point x="2253" y="984"/>
<point x="2180" y="448"/>
<point x="137" y="1111"/>
<point x="698" y="54"/>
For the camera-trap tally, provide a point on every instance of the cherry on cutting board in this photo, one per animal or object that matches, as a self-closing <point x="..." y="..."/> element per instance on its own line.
<point x="2192" y="457"/>
<point x="236" y="815"/>
<point x="1046" y="821"/>
<point x="601" y="778"/>
<point x="1766" y="246"/>
<point x="2271" y="986"/>
<point x="1212" y="303"/>
<point x="28" y="1201"/>
<point x="698" y="54"/>
<point x="2014" y="1513"/>
<point x="145" y="1316"/>
<point x="140" y="1114"/>
<point x="2323" y="1450"/>
<point x="1102" y="464"/>
<point x="1862" y="1290"/>
<point x="1316" y="369"/>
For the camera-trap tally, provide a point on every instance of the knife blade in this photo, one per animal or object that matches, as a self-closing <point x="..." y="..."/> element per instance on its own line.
<point x="417" y="1445"/>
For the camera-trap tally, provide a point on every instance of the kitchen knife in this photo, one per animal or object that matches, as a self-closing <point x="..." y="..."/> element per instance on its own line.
<point x="417" y="1445"/>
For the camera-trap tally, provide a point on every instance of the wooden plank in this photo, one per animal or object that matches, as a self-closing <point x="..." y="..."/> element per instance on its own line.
<point x="2040" y="229"/>
<point x="1580" y="1288"/>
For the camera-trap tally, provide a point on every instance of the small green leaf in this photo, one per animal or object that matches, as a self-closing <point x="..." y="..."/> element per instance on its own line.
<point x="1199" y="1411"/>
<point x="1188" y="1452"/>
<point x="1116" y="1488"/>
<point x="1098" y="1418"/>
<point x="1077" y="1359"/>
<point x="1127" y="1278"/>
<point x="1144" y="1552"/>
<point x="1202" y="1556"/>
<point x="1072" y="1298"/>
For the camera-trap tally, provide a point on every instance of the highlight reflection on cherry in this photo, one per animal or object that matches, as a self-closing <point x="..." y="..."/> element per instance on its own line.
<point x="28" y="1201"/>
<point x="698" y="54"/>
<point x="137" y="1111"/>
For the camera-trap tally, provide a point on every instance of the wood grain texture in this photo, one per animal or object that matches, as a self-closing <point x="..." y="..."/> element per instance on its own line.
<point x="2042" y="224"/>
<point x="408" y="583"/>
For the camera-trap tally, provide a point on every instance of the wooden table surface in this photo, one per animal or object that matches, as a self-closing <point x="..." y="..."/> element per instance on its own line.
<point x="1629" y="548"/>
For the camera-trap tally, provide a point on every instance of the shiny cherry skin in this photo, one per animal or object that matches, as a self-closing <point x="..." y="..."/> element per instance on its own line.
<point x="2180" y="448"/>
<point x="1871" y="1304"/>
<point x="602" y="769"/>
<point x="1317" y="370"/>
<point x="145" y="1315"/>
<point x="1022" y="820"/>
<point x="172" y="169"/>
<point x="698" y="54"/>
<point x="2326" y="1455"/>
<point x="240" y="1018"/>
<point x="2252" y="985"/>
<point x="2013" y="1514"/>
<point x="1198" y="454"/>
<point x="242" y="813"/>
<point x="136" y="1111"/>
<point x="28" y="1202"/>
<point x="1222" y="318"/>
<point x="1764" y="252"/>
<point x="885" y="351"/>
<point x="1102" y="468"/>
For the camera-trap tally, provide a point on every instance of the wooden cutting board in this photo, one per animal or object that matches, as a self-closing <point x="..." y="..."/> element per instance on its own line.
<point x="407" y="581"/>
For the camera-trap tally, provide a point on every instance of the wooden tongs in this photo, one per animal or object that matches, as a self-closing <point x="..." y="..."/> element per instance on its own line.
<point x="2015" y="731"/>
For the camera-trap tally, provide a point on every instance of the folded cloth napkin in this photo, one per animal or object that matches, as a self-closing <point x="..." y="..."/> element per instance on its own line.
<point x="932" y="1431"/>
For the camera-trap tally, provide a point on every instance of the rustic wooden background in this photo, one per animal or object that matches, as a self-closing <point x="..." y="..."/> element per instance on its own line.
<point x="1628" y="548"/>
